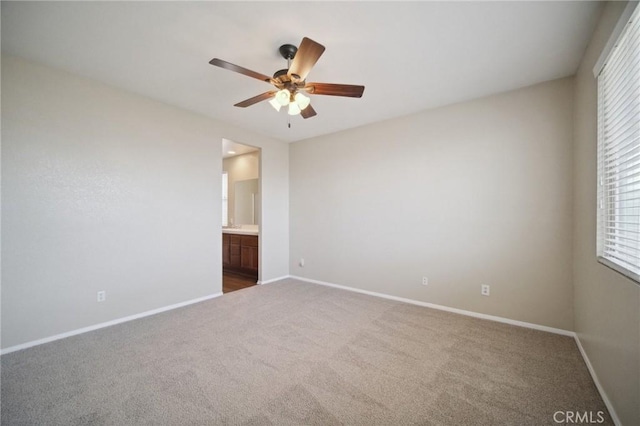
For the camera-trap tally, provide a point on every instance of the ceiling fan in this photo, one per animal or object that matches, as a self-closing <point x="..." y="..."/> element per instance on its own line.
<point x="291" y="82"/>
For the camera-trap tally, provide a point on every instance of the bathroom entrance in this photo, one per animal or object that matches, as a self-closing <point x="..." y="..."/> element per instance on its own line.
<point x="241" y="215"/>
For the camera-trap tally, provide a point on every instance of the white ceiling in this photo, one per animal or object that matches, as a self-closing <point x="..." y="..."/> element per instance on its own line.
<point x="233" y="149"/>
<point x="410" y="55"/>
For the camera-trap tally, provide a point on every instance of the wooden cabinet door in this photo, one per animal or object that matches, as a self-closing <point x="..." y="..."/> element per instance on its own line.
<point x="254" y="260"/>
<point x="250" y="258"/>
<point x="226" y="250"/>
<point x="250" y="253"/>
<point x="234" y="251"/>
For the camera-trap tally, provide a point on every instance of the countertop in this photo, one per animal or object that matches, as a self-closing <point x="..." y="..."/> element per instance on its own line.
<point x="241" y="231"/>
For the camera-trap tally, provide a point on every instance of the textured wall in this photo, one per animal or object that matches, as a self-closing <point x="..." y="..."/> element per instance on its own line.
<point x="469" y="194"/>
<point x="106" y="190"/>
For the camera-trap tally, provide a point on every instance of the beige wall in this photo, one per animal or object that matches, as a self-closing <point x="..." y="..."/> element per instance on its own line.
<point x="607" y="305"/>
<point x="469" y="194"/>
<point x="240" y="167"/>
<point x="106" y="190"/>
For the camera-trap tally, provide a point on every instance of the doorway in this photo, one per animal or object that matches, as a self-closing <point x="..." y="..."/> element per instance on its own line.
<point x="241" y="215"/>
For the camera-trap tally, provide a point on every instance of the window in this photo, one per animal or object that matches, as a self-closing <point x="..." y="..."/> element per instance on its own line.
<point x="618" y="243"/>
<point x="225" y="199"/>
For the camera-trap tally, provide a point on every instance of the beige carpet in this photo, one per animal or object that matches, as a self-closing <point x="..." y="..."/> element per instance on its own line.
<point x="298" y="353"/>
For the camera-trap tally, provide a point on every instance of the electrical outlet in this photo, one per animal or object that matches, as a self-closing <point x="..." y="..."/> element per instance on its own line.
<point x="485" y="290"/>
<point x="425" y="281"/>
<point x="102" y="296"/>
<point x="301" y="262"/>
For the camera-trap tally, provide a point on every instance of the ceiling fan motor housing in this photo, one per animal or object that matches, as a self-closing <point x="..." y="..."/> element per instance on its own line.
<point x="282" y="80"/>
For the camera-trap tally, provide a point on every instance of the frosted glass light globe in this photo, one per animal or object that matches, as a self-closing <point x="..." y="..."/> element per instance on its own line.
<point x="294" y="108"/>
<point x="302" y="100"/>
<point x="283" y="97"/>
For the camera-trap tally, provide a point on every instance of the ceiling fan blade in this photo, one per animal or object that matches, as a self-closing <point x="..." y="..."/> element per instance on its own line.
<point x="261" y="97"/>
<point x="235" y="68"/>
<point x="308" y="54"/>
<point x="308" y="112"/>
<point x="348" y="90"/>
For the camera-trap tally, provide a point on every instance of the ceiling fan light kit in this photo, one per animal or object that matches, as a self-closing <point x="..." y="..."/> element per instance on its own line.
<point x="302" y="100"/>
<point x="291" y="82"/>
<point x="283" y="97"/>
<point x="294" y="109"/>
<point x="275" y="104"/>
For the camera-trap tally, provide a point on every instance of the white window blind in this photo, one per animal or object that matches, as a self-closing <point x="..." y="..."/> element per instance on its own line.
<point x="225" y="199"/>
<point x="619" y="153"/>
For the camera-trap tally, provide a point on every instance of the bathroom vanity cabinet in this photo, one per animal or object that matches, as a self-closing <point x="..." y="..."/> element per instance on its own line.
<point x="240" y="254"/>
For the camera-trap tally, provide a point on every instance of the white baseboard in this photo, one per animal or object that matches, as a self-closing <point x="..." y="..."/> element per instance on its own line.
<point x="274" y="279"/>
<point x="106" y="324"/>
<point x="444" y="308"/>
<point x="603" y="395"/>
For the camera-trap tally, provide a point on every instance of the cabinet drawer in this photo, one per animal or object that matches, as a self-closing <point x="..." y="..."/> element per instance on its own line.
<point x="249" y="241"/>
<point x="249" y="258"/>
<point x="235" y="239"/>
